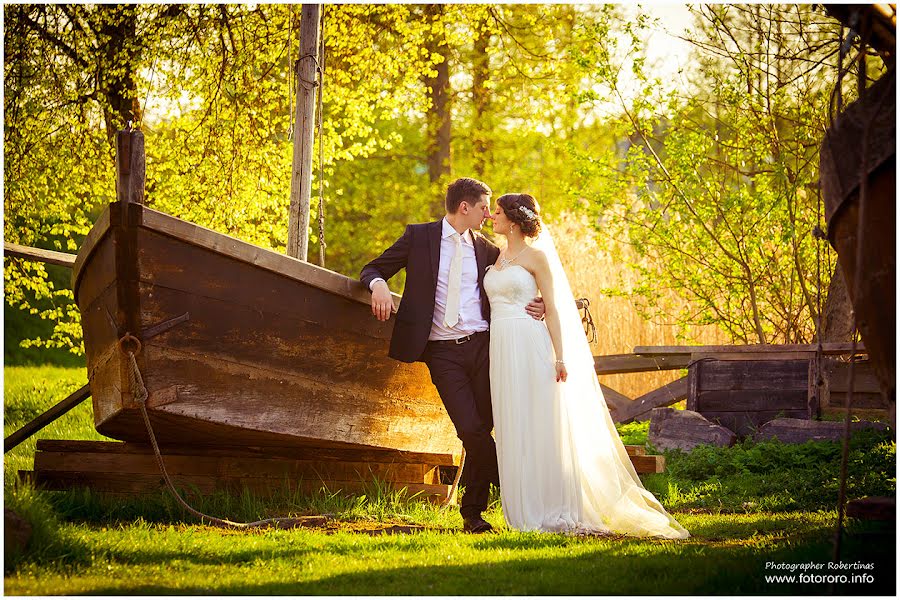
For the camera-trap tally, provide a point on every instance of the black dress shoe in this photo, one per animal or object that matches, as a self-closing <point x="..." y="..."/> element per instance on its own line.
<point x="476" y="525"/>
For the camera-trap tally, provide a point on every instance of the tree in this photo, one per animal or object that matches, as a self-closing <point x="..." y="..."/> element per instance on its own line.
<point x="720" y="182"/>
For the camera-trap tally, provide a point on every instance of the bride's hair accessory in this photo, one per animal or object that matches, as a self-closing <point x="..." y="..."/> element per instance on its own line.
<point x="527" y="212"/>
<point x="523" y="210"/>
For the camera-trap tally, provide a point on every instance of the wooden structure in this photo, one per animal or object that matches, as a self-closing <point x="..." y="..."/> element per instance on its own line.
<point x="743" y="394"/>
<point x="744" y="386"/>
<point x="868" y="400"/>
<point x="241" y="345"/>
<point x="127" y="468"/>
<point x="858" y="181"/>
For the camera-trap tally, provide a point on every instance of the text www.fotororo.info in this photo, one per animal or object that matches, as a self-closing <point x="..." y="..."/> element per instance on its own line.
<point x="854" y="572"/>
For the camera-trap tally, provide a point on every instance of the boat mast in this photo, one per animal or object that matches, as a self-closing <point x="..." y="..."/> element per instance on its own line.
<point x="305" y="117"/>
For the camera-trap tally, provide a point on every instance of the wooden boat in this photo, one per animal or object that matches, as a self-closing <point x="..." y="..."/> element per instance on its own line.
<point x="845" y="163"/>
<point x="241" y="346"/>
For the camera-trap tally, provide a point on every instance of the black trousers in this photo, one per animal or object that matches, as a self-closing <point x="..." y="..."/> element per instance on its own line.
<point x="460" y="372"/>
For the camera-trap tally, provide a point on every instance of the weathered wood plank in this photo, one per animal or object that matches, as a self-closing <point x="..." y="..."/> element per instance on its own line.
<point x="829" y="348"/>
<point x="751" y="356"/>
<point x="615" y="401"/>
<point x="290" y="453"/>
<point x="47" y="417"/>
<point x="664" y="396"/>
<point x="213" y="392"/>
<point x="257" y="335"/>
<point x="652" y="463"/>
<point x="138" y="483"/>
<point x="63" y="259"/>
<point x="694" y="374"/>
<point x="254" y="255"/>
<point x="837" y="376"/>
<point x="755" y="375"/>
<point x="225" y="466"/>
<point x="751" y="400"/>
<point x="629" y="363"/>
<point x="130" y="166"/>
<point x="90" y="243"/>
<point x="635" y="450"/>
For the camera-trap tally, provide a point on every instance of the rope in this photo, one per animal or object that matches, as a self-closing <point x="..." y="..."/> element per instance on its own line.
<point x="587" y="321"/>
<point x="321" y="72"/>
<point x="130" y="346"/>
<point x="291" y="77"/>
<point x="451" y="497"/>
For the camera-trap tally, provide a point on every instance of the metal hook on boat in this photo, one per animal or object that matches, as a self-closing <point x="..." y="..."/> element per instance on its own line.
<point x="129" y="343"/>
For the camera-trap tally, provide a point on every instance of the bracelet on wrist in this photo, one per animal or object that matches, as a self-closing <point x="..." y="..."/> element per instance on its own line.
<point x="560" y="362"/>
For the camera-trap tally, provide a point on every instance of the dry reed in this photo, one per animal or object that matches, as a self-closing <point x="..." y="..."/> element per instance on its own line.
<point x="620" y="327"/>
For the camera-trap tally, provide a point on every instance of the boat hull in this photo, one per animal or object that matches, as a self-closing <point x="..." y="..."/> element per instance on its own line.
<point x="241" y="345"/>
<point x="869" y="120"/>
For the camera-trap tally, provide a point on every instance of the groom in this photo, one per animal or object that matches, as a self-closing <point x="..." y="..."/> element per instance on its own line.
<point x="443" y="321"/>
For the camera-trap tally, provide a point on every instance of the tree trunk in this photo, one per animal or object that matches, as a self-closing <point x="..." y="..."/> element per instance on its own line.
<point x="118" y="35"/>
<point x="481" y="141"/>
<point x="438" y="118"/>
<point x="837" y="315"/>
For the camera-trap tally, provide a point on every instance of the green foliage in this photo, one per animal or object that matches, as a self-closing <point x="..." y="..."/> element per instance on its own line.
<point x="750" y="476"/>
<point x="713" y="184"/>
<point x="716" y="185"/>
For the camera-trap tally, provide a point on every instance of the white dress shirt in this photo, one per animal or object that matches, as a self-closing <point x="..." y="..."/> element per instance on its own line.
<point x="470" y="319"/>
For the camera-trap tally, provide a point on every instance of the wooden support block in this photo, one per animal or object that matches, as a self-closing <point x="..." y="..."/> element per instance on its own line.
<point x="296" y="453"/>
<point x="651" y="463"/>
<point x="138" y="483"/>
<point x="132" y="469"/>
<point x="220" y="466"/>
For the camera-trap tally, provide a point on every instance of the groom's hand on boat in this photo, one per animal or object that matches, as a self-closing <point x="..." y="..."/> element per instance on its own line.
<point x="536" y="309"/>
<point x="382" y="302"/>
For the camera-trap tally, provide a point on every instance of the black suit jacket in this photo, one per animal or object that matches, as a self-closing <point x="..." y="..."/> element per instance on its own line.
<point x="419" y="251"/>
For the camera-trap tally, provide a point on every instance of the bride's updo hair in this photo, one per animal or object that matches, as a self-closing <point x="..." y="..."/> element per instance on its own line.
<point x="523" y="210"/>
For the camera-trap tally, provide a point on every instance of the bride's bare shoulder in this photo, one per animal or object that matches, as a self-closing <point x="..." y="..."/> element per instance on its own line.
<point x="536" y="259"/>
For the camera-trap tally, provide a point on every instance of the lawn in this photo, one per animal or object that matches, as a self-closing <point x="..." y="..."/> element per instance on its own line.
<point x="745" y="507"/>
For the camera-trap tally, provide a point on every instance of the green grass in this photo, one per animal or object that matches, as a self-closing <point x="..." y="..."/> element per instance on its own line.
<point x="727" y="555"/>
<point x="744" y="506"/>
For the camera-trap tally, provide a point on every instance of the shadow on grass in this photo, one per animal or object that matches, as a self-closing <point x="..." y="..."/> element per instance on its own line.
<point x="608" y="567"/>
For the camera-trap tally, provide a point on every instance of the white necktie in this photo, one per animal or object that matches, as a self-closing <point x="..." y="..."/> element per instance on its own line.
<point x="451" y="315"/>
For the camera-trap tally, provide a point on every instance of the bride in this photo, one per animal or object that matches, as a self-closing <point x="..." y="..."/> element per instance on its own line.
<point x="562" y="465"/>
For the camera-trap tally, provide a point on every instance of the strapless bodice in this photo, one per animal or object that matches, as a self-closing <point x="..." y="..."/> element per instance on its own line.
<point x="509" y="291"/>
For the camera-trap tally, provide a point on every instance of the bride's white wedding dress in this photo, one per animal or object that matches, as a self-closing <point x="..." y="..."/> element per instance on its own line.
<point x="562" y="465"/>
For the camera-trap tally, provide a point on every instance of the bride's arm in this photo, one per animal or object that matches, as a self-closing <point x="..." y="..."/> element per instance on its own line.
<point x="544" y="279"/>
